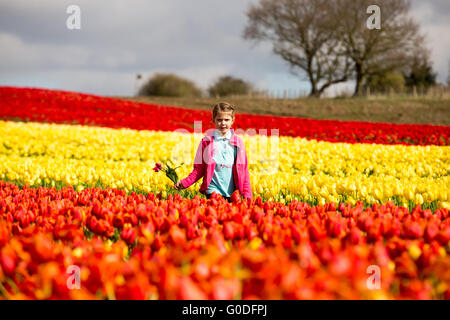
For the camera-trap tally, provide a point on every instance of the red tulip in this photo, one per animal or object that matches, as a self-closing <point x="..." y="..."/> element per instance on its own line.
<point x="142" y="213"/>
<point x="235" y="197"/>
<point x="8" y="261"/>
<point x="42" y="248"/>
<point x="128" y="235"/>
<point x="157" y="167"/>
<point x="4" y="235"/>
<point x="228" y="230"/>
<point x="374" y="232"/>
<point x="405" y="266"/>
<point x="189" y="290"/>
<point x="340" y="264"/>
<point x="157" y="243"/>
<point x="253" y="260"/>
<point x="316" y="232"/>
<point x="431" y="231"/>
<point x="355" y="236"/>
<point x="413" y="230"/>
<point x="336" y="227"/>
<point x="177" y="236"/>
<point x="296" y="234"/>
<point x="257" y="214"/>
<point x="444" y="235"/>
<point x="201" y="270"/>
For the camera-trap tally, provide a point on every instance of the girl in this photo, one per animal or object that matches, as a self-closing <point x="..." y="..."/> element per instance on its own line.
<point x="221" y="159"/>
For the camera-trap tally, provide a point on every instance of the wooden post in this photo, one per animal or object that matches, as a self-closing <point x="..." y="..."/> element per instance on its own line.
<point x="137" y="84"/>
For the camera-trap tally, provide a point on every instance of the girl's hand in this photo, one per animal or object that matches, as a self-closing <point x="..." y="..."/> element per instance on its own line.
<point x="178" y="185"/>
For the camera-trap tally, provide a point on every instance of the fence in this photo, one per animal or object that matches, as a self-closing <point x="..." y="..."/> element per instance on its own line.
<point x="438" y="93"/>
<point x="275" y="94"/>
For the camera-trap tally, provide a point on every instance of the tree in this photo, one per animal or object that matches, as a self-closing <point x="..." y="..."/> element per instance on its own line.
<point x="169" y="85"/>
<point x="228" y="85"/>
<point x="419" y="72"/>
<point x="303" y="33"/>
<point x="376" y="51"/>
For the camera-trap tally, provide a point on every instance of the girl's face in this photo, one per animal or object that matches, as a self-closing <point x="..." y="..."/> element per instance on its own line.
<point x="223" y="122"/>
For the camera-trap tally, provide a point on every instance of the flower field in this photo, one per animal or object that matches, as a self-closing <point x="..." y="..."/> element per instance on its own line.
<point x="331" y="200"/>
<point x="315" y="172"/>
<point x="41" y="105"/>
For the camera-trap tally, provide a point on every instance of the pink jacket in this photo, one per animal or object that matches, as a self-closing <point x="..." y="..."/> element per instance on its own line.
<point x="204" y="165"/>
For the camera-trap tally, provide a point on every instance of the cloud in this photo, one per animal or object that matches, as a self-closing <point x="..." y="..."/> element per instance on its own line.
<point x="434" y="23"/>
<point x="16" y="55"/>
<point x="86" y="81"/>
<point x="199" y="40"/>
<point x="432" y="12"/>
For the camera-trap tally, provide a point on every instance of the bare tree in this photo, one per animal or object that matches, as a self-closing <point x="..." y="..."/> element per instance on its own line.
<point x="378" y="50"/>
<point x="303" y="33"/>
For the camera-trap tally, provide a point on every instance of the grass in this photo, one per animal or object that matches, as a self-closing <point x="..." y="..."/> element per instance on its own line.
<point x="382" y="109"/>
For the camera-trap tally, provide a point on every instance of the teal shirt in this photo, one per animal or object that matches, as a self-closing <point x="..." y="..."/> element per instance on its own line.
<point x="224" y="154"/>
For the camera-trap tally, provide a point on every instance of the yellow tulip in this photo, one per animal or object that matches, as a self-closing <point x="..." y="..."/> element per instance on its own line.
<point x="419" y="199"/>
<point x="408" y="194"/>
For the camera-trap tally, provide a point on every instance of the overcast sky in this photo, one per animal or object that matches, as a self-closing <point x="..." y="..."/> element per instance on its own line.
<point x="198" y="39"/>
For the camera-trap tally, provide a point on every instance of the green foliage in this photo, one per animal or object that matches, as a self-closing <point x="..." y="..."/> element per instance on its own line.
<point x="421" y="75"/>
<point x="228" y="85"/>
<point x="169" y="85"/>
<point x="384" y="82"/>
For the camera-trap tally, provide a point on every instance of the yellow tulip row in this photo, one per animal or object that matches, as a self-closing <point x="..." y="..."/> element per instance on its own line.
<point x="281" y="168"/>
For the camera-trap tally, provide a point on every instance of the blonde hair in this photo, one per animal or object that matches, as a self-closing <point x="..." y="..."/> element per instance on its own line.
<point x="223" y="107"/>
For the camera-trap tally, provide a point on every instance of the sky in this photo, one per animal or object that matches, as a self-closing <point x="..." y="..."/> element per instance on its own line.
<point x="198" y="39"/>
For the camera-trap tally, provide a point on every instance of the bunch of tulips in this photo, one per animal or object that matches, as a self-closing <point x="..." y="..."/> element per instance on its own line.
<point x="170" y="172"/>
